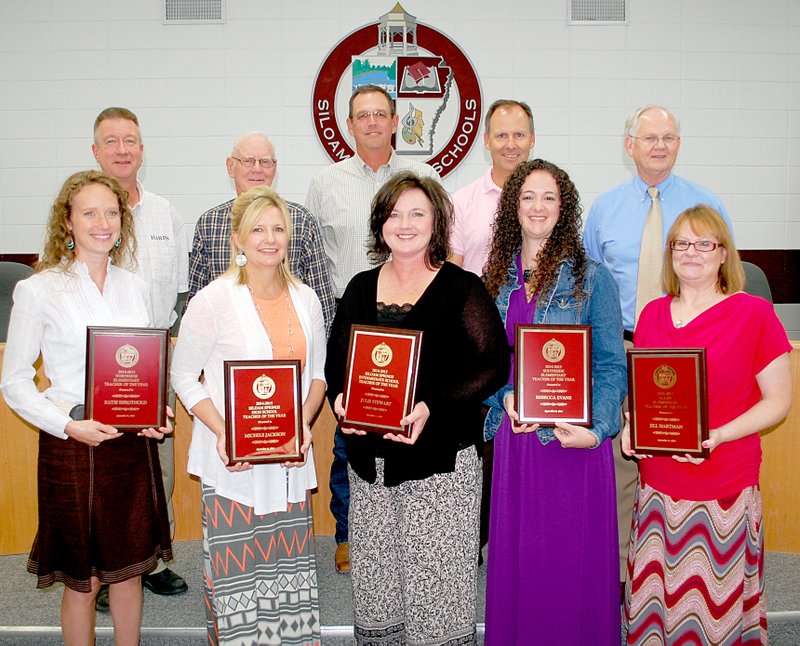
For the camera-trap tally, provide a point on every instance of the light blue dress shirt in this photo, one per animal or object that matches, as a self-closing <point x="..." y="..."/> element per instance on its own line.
<point x="614" y="228"/>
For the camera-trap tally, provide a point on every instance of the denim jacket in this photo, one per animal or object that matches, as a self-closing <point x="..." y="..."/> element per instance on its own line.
<point x="599" y="308"/>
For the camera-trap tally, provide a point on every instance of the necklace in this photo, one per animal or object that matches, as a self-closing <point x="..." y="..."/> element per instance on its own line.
<point x="528" y="269"/>
<point x="290" y="327"/>
<point x="688" y="314"/>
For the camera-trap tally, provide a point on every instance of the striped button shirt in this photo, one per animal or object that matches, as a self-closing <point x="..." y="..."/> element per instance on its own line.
<point x="340" y="197"/>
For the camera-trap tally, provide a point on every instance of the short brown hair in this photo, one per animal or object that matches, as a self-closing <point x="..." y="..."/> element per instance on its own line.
<point x="369" y="89"/>
<point x="386" y="198"/>
<point x="705" y="220"/>
<point x="114" y="113"/>
<point x="56" y="252"/>
<point x="508" y="103"/>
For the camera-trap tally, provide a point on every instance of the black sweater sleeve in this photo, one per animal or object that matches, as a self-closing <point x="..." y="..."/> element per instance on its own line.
<point x="464" y="359"/>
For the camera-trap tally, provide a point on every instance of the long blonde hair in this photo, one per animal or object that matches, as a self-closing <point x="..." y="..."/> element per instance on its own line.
<point x="246" y="210"/>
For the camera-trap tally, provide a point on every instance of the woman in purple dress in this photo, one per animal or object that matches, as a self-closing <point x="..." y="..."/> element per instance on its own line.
<point x="553" y="553"/>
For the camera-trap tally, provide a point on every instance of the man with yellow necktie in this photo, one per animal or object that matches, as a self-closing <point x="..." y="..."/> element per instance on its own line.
<point x="625" y="231"/>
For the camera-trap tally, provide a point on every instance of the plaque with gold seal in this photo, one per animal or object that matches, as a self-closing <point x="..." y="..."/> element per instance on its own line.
<point x="668" y="401"/>
<point x="126" y="377"/>
<point x="381" y="378"/>
<point x="263" y="411"/>
<point x="553" y="374"/>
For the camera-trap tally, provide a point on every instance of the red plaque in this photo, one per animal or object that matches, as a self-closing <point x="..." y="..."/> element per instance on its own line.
<point x="381" y="378"/>
<point x="126" y="377"/>
<point x="263" y="411"/>
<point x="668" y="401"/>
<point x="553" y="374"/>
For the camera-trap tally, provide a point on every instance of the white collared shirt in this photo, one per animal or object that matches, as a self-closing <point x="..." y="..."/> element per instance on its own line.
<point x="163" y="256"/>
<point x="51" y="312"/>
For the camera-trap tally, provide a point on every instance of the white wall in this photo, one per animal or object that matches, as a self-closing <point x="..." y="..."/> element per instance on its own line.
<point x="730" y="69"/>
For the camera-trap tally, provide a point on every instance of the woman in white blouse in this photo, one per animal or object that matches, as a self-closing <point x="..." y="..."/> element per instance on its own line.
<point x="102" y="512"/>
<point x="260" y="573"/>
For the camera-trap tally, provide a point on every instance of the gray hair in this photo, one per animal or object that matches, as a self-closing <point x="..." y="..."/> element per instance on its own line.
<point x="247" y="135"/>
<point x="632" y="122"/>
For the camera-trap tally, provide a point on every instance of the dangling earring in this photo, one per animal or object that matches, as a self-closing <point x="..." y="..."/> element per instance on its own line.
<point x="241" y="259"/>
<point x="70" y="244"/>
<point x="117" y="243"/>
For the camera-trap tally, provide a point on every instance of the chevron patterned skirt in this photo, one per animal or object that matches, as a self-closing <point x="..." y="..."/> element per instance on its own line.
<point x="695" y="570"/>
<point x="260" y="576"/>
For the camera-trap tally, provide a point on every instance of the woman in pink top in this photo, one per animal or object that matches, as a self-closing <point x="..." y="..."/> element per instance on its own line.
<point x="695" y="566"/>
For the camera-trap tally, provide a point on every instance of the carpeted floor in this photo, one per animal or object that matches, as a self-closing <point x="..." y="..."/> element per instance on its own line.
<point x="29" y="617"/>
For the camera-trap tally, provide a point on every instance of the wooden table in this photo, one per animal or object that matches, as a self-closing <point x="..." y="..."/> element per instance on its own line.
<point x="780" y="478"/>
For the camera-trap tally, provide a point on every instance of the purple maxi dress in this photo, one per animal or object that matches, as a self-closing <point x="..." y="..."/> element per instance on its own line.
<point x="553" y="561"/>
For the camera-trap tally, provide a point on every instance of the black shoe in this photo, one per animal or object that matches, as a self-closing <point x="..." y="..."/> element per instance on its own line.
<point x="165" y="583"/>
<point x="101" y="601"/>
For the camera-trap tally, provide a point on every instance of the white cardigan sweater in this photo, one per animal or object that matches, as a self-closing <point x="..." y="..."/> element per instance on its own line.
<point x="221" y="324"/>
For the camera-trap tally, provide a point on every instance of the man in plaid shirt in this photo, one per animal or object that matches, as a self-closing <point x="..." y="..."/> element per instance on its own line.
<point x="253" y="163"/>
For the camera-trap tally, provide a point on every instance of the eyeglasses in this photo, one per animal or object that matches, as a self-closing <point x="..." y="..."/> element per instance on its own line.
<point x="701" y="245"/>
<point x="652" y="140"/>
<point x="249" y="162"/>
<point x="379" y="115"/>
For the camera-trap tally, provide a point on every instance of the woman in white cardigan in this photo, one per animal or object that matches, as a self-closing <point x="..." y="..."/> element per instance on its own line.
<point x="260" y="573"/>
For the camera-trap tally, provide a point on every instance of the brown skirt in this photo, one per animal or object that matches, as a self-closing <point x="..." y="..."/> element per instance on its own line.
<point x="102" y="511"/>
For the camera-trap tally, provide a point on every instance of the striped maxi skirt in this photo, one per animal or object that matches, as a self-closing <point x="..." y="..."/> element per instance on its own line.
<point x="695" y="570"/>
<point x="260" y="576"/>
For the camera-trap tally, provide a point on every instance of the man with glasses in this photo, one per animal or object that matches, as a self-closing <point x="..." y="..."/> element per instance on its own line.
<point x="253" y="163"/>
<point x="340" y="197"/>
<point x="162" y="264"/>
<point x="625" y="231"/>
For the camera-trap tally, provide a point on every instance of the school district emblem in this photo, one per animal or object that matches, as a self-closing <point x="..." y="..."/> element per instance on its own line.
<point x="381" y="355"/>
<point x="264" y="387"/>
<point x="434" y="85"/>
<point x="553" y="351"/>
<point x="665" y="377"/>
<point x="127" y="356"/>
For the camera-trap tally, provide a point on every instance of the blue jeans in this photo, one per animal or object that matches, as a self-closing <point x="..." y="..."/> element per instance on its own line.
<point x="340" y="487"/>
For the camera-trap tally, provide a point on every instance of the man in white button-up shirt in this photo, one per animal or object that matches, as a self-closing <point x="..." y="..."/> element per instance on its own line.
<point x="340" y="197"/>
<point x="162" y="262"/>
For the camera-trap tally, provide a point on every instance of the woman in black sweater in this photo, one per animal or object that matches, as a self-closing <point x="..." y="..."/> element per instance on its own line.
<point x="415" y="500"/>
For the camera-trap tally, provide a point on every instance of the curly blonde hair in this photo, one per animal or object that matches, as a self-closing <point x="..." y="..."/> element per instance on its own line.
<point x="564" y="242"/>
<point x="56" y="250"/>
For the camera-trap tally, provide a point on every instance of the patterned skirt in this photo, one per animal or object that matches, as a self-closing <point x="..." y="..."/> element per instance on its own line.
<point x="695" y="570"/>
<point x="414" y="556"/>
<point x="260" y="575"/>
